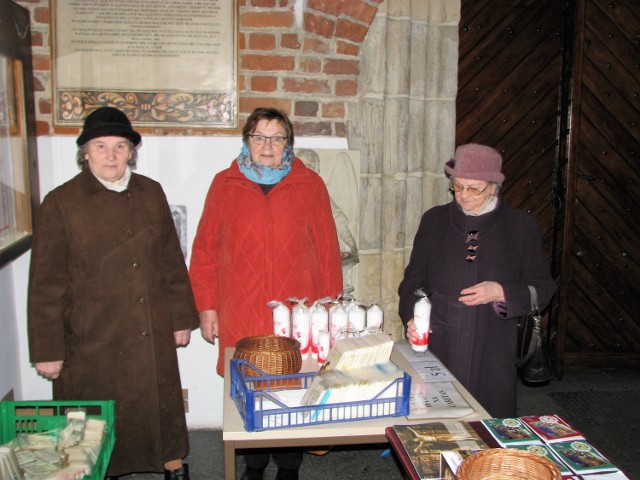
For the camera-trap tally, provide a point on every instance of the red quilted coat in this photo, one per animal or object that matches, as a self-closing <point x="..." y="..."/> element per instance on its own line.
<point x="251" y="248"/>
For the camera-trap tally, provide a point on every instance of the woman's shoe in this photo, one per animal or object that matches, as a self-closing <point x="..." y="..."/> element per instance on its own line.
<point x="181" y="473"/>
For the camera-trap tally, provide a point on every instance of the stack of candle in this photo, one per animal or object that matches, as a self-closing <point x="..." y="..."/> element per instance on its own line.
<point x="319" y="326"/>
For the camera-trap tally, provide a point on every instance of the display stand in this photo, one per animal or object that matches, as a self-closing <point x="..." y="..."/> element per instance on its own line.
<point x="235" y="436"/>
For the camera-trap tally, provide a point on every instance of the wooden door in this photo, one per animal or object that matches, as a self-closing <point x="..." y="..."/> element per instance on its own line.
<point x="600" y="294"/>
<point x="554" y="86"/>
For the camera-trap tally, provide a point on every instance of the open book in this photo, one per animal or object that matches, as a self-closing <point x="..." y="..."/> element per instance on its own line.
<point x="419" y="446"/>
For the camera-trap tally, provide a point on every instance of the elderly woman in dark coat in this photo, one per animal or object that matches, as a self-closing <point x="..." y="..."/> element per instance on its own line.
<point x="476" y="257"/>
<point x="110" y="299"/>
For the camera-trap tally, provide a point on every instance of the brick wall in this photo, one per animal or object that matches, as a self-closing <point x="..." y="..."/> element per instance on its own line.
<point x="305" y="62"/>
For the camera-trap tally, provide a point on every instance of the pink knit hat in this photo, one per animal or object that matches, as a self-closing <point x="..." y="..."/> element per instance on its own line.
<point x="476" y="162"/>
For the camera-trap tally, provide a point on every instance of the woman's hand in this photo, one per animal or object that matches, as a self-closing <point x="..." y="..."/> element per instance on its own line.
<point x="182" y="338"/>
<point x="50" y="370"/>
<point x="209" y="325"/>
<point x="412" y="332"/>
<point x="481" y="293"/>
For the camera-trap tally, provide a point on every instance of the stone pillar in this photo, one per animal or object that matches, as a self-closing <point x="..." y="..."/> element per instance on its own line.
<point x="404" y="127"/>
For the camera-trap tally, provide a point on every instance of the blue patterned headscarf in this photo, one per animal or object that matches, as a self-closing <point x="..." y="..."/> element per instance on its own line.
<point x="256" y="172"/>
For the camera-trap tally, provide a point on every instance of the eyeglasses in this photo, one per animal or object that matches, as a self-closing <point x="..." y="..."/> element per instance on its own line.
<point x="275" y="141"/>
<point x="472" y="245"/>
<point x="475" y="191"/>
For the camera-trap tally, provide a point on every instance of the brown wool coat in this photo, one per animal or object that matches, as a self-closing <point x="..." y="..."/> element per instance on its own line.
<point x="108" y="286"/>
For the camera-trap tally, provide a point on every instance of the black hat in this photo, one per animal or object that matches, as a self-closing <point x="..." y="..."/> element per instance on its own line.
<point x="107" y="122"/>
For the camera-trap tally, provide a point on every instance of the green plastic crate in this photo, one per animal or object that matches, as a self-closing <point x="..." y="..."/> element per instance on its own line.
<point x="41" y="415"/>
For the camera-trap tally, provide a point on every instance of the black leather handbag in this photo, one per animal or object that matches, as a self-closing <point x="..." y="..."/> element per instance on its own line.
<point x="534" y="362"/>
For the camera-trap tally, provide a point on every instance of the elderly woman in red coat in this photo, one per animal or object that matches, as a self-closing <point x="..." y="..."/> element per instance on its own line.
<point x="476" y="256"/>
<point x="266" y="233"/>
<point x="110" y="299"/>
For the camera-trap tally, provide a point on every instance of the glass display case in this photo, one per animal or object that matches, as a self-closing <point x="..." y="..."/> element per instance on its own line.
<point x="19" y="195"/>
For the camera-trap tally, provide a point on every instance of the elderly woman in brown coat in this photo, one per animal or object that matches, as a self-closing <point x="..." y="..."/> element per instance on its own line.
<point x="110" y="299"/>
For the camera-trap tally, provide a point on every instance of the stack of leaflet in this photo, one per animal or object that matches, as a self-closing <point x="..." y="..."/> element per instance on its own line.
<point x="552" y="437"/>
<point x="359" y="352"/>
<point x="353" y="385"/>
<point x="356" y="369"/>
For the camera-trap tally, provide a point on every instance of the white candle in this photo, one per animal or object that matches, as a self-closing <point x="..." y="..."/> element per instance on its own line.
<point x="422" y="319"/>
<point x="300" y="326"/>
<point x="319" y="321"/>
<point x="375" y="318"/>
<point x="324" y="345"/>
<point x="357" y="319"/>
<point x="338" y="323"/>
<point x="281" y="320"/>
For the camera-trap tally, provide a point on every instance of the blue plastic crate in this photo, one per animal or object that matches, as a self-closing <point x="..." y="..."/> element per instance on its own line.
<point x="252" y="391"/>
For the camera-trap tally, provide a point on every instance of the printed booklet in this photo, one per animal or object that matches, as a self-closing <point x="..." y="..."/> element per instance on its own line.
<point x="551" y="428"/>
<point x="582" y="457"/>
<point x="544" y="451"/>
<point x="510" y="431"/>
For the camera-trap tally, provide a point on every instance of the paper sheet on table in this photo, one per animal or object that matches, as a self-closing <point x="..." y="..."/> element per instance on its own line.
<point x="291" y="398"/>
<point x="426" y="365"/>
<point x="437" y="400"/>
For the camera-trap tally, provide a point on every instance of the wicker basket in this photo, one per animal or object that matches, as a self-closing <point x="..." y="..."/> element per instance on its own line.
<point x="507" y="464"/>
<point x="272" y="354"/>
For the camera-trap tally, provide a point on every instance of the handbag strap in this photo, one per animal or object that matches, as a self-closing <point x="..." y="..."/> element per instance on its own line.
<point x="534" y="300"/>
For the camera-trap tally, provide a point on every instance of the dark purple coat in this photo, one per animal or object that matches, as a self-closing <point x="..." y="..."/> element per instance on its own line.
<point x="474" y="343"/>
<point x="108" y="287"/>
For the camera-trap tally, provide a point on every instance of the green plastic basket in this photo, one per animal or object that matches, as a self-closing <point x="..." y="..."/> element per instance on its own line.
<point x="38" y="416"/>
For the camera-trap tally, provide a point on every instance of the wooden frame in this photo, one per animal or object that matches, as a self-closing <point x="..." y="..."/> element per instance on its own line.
<point x="165" y="67"/>
<point x="19" y="197"/>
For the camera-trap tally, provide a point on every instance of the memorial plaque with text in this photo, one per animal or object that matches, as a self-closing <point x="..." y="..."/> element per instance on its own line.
<point x="165" y="63"/>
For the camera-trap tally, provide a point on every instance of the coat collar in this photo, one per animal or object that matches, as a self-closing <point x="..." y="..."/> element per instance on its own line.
<point x="93" y="185"/>
<point x="486" y="222"/>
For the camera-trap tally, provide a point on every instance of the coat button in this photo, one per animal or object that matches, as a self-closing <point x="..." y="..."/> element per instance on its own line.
<point x="141" y="300"/>
<point x="145" y="334"/>
<point x="135" y="265"/>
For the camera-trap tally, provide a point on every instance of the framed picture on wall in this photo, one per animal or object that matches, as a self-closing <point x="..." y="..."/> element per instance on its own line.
<point x="165" y="63"/>
<point x="18" y="155"/>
